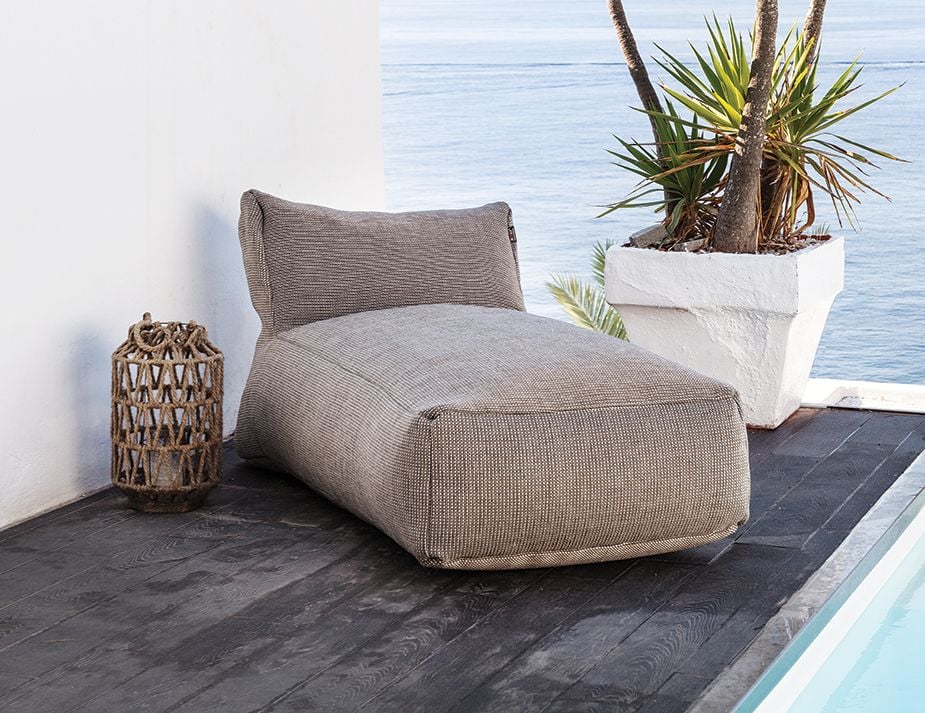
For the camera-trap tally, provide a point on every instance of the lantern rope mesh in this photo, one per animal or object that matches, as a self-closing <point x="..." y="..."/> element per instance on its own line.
<point x="166" y="415"/>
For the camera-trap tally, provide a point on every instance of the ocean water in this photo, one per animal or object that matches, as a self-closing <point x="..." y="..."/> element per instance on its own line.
<point x="505" y="100"/>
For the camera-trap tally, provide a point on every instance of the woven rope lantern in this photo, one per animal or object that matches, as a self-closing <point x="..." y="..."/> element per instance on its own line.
<point x="166" y="416"/>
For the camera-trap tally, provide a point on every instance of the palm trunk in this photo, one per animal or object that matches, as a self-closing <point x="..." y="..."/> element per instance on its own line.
<point x="640" y="77"/>
<point x="634" y="62"/>
<point x="813" y="26"/>
<point x="738" y="225"/>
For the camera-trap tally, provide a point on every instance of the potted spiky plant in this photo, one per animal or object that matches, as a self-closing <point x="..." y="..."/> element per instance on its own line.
<point x="733" y="281"/>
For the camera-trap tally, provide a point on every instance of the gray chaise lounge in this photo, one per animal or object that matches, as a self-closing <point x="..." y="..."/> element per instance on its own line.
<point x="398" y="374"/>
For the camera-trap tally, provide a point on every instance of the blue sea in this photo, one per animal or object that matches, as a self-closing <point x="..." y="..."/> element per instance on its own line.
<point x="490" y="100"/>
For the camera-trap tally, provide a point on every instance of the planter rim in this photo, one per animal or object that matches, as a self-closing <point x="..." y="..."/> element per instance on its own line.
<point x="832" y="240"/>
<point x="759" y="282"/>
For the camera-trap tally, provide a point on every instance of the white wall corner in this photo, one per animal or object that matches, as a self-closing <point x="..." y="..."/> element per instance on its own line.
<point x="134" y="128"/>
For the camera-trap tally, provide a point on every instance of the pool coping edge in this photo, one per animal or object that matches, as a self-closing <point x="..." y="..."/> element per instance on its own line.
<point x="728" y="689"/>
<point x="870" y="395"/>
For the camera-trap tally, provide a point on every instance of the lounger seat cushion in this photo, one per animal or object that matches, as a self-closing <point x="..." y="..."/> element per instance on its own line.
<point x="487" y="438"/>
<point x="398" y="374"/>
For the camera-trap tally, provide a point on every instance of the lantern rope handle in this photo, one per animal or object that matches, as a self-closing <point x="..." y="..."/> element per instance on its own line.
<point x="151" y="337"/>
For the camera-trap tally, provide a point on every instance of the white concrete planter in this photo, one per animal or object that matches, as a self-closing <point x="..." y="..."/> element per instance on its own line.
<point x="753" y="321"/>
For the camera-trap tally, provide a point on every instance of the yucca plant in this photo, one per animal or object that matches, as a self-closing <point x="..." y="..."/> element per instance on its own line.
<point x="800" y="154"/>
<point x="584" y="301"/>
<point x="683" y="169"/>
<point x="743" y="172"/>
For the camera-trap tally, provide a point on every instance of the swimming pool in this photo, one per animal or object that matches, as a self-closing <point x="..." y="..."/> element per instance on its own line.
<point x="865" y="649"/>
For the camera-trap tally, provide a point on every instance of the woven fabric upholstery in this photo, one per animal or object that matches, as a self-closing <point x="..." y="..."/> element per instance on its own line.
<point x="305" y="263"/>
<point x="483" y="438"/>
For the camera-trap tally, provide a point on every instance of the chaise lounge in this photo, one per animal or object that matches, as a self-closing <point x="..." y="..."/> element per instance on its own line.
<point x="398" y="374"/>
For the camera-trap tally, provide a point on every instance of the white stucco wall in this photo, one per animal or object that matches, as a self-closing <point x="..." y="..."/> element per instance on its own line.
<point x="130" y="130"/>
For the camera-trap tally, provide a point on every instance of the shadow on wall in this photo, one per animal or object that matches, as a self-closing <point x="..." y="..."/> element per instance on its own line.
<point x="216" y="297"/>
<point x="91" y="377"/>
<point x="221" y="301"/>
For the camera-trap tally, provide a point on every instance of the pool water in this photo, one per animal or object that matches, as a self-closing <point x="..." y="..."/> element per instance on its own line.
<point x="864" y="649"/>
<point x="880" y="664"/>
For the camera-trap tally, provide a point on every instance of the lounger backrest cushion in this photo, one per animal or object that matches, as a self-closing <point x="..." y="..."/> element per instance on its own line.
<point x="305" y="263"/>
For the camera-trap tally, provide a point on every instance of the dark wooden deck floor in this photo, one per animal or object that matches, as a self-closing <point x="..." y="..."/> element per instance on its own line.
<point x="271" y="599"/>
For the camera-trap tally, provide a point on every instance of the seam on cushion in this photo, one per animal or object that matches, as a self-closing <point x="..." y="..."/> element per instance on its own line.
<point x="353" y="372"/>
<point x="434" y="411"/>
<point x="429" y="517"/>
<point x="511" y="235"/>
<point x="263" y="419"/>
<point x="265" y="271"/>
<point x="260" y="244"/>
<point x="738" y="401"/>
<point x="261" y="356"/>
<point x="423" y="420"/>
<point x="437" y="410"/>
<point x="716" y="534"/>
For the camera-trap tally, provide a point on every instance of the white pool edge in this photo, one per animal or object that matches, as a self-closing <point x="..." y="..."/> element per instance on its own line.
<point x="872" y="395"/>
<point x="739" y="679"/>
<point x="824" y="644"/>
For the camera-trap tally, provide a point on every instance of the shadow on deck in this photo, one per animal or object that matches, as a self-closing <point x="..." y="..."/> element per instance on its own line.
<point x="272" y="599"/>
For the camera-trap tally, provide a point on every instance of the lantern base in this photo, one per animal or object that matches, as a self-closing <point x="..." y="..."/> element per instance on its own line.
<point x="154" y="501"/>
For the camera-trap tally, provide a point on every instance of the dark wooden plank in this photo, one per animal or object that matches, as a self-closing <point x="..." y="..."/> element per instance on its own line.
<point x="242" y="651"/>
<point x="584" y="698"/>
<point x="164" y="616"/>
<point x="850" y="512"/>
<point x="213" y="526"/>
<point x="126" y="534"/>
<point x="243" y="474"/>
<point x="445" y="676"/>
<point x="607" y="571"/>
<point x="702" y="555"/>
<point x="292" y="503"/>
<point x="39" y="612"/>
<point x="762" y="442"/>
<point x="42" y="571"/>
<point x="400" y="648"/>
<point x="887" y="429"/>
<point x="103" y="529"/>
<point x="271" y="597"/>
<point x="80" y="686"/>
<point x="43" y="657"/>
<point x="85" y="668"/>
<point x="774" y="479"/>
<point x="15" y="554"/>
<point x="676" y="695"/>
<point x="731" y="638"/>
<point x="53" y="533"/>
<point x="39" y="521"/>
<point x="120" y="613"/>
<point x="299" y="652"/>
<point x="9" y="683"/>
<point x="229" y="579"/>
<point x="46" y="617"/>
<point x="164" y="566"/>
<point x="569" y="650"/>
<point x="823" y="434"/>
<point x="653" y="652"/>
<point x="806" y="507"/>
<point x="48" y="633"/>
<point x="915" y="441"/>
